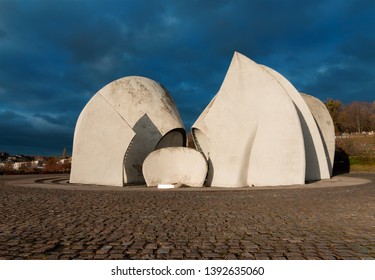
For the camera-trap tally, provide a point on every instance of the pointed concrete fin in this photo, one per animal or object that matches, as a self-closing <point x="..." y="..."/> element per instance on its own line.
<point x="248" y="129"/>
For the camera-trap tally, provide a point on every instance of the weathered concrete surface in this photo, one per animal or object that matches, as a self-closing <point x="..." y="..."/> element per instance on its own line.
<point x="316" y="160"/>
<point x="326" y="126"/>
<point x="250" y="132"/>
<point x="132" y="108"/>
<point x="50" y="219"/>
<point x="101" y="139"/>
<point x="175" y="165"/>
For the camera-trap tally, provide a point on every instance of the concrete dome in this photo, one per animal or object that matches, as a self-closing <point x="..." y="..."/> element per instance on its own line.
<point x="123" y="122"/>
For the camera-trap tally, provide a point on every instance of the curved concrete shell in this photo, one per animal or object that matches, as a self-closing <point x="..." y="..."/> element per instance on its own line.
<point x="250" y="132"/>
<point x="316" y="160"/>
<point x="100" y="141"/>
<point x="326" y="127"/>
<point x="128" y="118"/>
<point x="175" y="165"/>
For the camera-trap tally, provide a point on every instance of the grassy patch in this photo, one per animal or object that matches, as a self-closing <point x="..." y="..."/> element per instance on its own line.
<point x="360" y="150"/>
<point x="362" y="160"/>
<point x="362" y="163"/>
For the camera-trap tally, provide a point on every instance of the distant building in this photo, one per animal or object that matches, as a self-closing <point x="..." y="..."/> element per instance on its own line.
<point x="19" y="158"/>
<point x="37" y="164"/>
<point x="26" y="164"/>
<point x="21" y="165"/>
<point x="65" y="161"/>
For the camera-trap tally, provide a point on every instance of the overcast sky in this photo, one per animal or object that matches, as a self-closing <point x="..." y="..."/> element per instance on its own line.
<point x="55" y="55"/>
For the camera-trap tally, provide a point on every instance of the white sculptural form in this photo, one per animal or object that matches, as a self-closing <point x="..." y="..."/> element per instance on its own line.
<point x="250" y="132"/>
<point x="119" y="127"/>
<point x="316" y="160"/>
<point x="178" y="166"/>
<point x="325" y="125"/>
<point x="257" y="131"/>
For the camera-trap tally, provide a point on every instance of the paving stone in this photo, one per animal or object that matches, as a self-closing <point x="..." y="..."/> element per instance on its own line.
<point x="246" y="256"/>
<point x="68" y="257"/>
<point x="53" y="257"/>
<point x="260" y="256"/>
<point x="278" y="258"/>
<point x="163" y="251"/>
<point x="116" y="256"/>
<point x="294" y="256"/>
<point x="230" y="257"/>
<point x="128" y="223"/>
<point x="77" y="246"/>
<point x="101" y="252"/>
<point x="152" y="246"/>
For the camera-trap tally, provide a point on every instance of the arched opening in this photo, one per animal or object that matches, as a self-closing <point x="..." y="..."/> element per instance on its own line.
<point x="174" y="138"/>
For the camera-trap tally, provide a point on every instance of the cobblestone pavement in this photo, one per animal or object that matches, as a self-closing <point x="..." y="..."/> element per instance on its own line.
<point x="49" y="219"/>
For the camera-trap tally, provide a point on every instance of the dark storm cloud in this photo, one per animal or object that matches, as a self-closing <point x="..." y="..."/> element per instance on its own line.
<point x="24" y="134"/>
<point x="54" y="55"/>
<point x="57" y="120"/>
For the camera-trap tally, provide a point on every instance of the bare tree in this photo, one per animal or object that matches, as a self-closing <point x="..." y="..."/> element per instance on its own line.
<point x="356" y="117"/>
